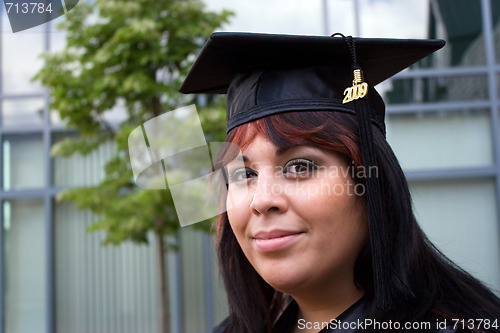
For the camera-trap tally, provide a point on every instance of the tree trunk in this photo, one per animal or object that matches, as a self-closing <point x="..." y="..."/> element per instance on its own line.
<point x="163" y="317"/>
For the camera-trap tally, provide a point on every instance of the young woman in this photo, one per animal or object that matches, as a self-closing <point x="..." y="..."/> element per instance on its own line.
<point x="322" y="236"/>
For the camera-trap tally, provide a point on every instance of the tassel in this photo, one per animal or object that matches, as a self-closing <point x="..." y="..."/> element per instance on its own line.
<point x="381" y="255"/>
<point x="381" y="258"/>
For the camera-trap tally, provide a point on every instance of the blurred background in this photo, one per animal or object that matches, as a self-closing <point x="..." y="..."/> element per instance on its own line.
<point x="55" y="276"/>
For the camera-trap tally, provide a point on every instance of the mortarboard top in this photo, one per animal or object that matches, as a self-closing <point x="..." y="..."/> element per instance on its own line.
<point x="227" y="53"/>
<point x="265" y="74"/>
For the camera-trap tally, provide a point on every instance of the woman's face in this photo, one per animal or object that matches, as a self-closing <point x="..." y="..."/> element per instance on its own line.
<point x="298" y="219"/>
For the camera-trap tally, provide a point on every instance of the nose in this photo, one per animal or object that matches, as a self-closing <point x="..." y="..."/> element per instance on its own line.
<point x="269" y="196"/>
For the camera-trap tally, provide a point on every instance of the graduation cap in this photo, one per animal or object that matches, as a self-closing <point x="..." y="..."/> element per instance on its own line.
<point x="266" y="74"/>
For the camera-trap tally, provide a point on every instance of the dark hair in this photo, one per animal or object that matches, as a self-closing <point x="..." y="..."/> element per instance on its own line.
<point x="426" y="283"/>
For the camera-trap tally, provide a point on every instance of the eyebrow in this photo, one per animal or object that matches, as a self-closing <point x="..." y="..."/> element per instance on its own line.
<point x="241" y="158"/>
<point x="278" y="152"/>
<point x="281" y="151"/>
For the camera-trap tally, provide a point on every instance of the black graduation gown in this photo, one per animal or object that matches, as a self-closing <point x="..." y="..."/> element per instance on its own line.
<point x="350" y="321"/>
<point x="353" y="314"/>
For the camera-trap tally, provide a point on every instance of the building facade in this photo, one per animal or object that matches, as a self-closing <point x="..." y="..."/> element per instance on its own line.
<point x="443" y="123"/>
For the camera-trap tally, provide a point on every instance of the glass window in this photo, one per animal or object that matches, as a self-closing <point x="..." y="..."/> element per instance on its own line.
<point x="389" y="18"/>
<point x="24" y="291"/>
<point x="193" y="280"/>
<point x="220" y="306"/>
<point x="20" y="62"/>
<point x="101" y="289"/>
<point x="436" y="89"/>
<point x="23" y="113"/>
<point x="57" y="37"/>
<point x="460" y="217"/>
<point x="498" y="85"/>
<point x="495" y="16"/>
<point x="295" y="16"/>
<point x="5" y="21"/>
<point x="55" y="119"/>
<point x="460" y="24"/>
<point x="79" y="170"/>
<point x="195" y="283"/>
<point x="340" y="16"/>
<point x="23" y="162"/>
<point x="441" y="140"/>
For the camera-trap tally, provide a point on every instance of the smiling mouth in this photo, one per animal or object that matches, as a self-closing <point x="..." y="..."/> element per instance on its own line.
<point x="274" y="241"/>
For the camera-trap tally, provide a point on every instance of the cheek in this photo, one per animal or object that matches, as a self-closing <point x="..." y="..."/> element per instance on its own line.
<point x="325" y="198"/>
<point x="339" y="214"/>
<point x="238" y="199"/>
<point x="238" y="219"/>
<point x="234" y="203"/>
<point x="234" y="220"/>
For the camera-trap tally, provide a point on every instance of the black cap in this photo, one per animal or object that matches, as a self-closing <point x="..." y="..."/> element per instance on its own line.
<point x="266" y="74"/>
<point x="227" y="53"/>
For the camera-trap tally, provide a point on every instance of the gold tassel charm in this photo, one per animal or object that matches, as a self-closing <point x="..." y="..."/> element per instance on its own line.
<point x="358" y="90"/>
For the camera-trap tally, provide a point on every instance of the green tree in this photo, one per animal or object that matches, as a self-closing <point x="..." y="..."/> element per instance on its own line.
<point x="132" y="55"/>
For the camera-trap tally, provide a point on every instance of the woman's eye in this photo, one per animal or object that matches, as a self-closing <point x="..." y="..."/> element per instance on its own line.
<point x="300" y="167"/>
<point x="242" y="174"/>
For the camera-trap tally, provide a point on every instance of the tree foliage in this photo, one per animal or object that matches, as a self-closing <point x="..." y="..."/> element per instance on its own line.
<point x="129" y="55"/>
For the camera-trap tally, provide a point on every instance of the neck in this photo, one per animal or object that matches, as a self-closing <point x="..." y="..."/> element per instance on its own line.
<point x="323" y="306"/>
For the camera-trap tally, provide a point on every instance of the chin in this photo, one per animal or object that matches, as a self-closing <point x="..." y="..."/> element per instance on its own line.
<point x="286" y="287"/>
<point x="285" y="280"/>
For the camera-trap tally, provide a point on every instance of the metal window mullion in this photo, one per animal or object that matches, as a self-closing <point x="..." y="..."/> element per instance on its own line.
<point x="29" y="194"/>
<point x="436" y="107"/>
<point x="356" y="18"/>
<point x="48" y="205"/>
<point x="49" y="239"/>
<point x="2" y="290"/>
<point x="22" y="131"/>
<point x="21" y="96"/>
<point x="493" y="84"/>
<point x="209" y="283"/>
<point x="441" y="72"/>
<point x="324" y="8"/>
<point x="179" y="296"/>
<point x="447" y="173"/>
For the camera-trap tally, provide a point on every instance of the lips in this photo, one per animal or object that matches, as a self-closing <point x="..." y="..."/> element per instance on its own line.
<point x="274" y="240"/>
